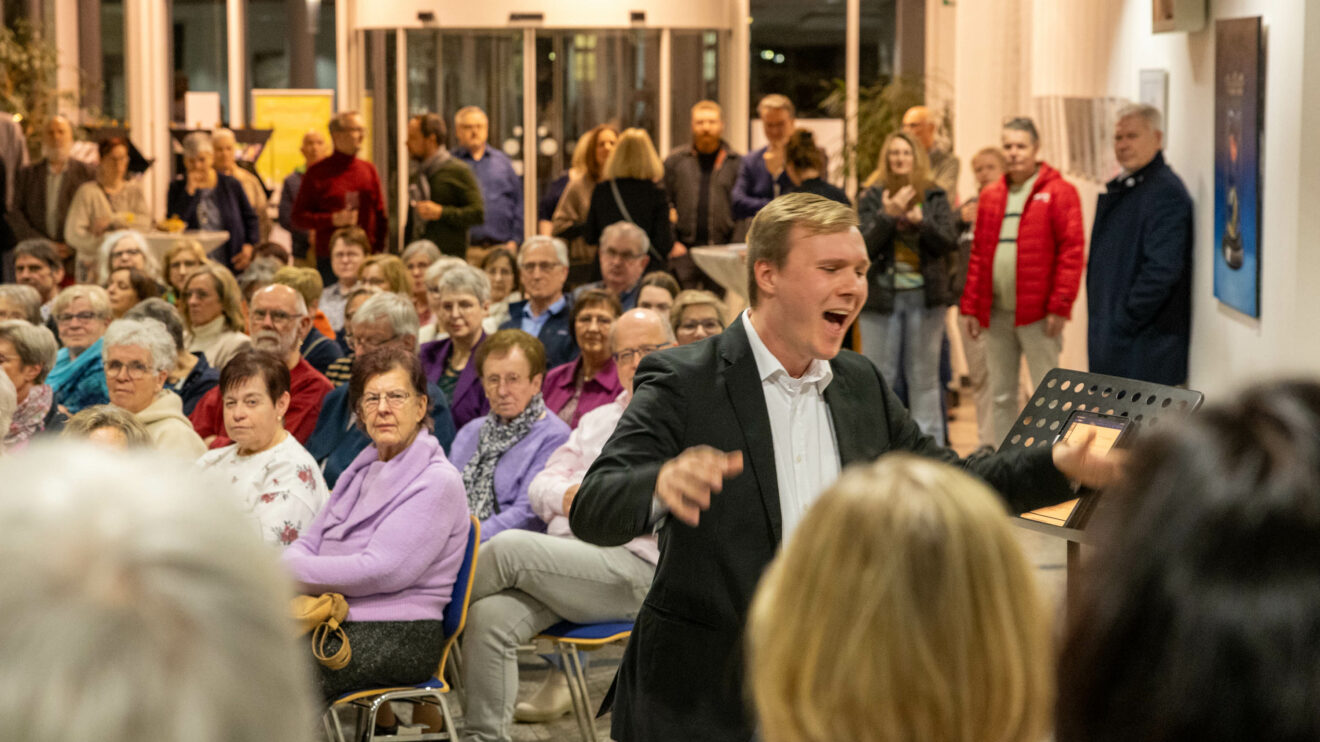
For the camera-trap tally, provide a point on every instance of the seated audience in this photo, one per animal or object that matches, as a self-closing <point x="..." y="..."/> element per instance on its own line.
<point x="1198" y="615"/>
<point x="387" y="273"/>
<point x="192" y="377"/>
<point x="657" y="293"/>
<point x="912" y="615"/>
<point x="107" y="425"/>
<point x="697" y="315"/>
<point x="463" y="294"/>
<point x="277" y="322"/>
<point x="803" y="162"/>
<point x="125" y="287"/>
<point x="181" y="259"/>
<point x="502" y="269"/>
<point x="138" y="602"/>
<point x="417" y="257"/>
<point x="580" y="386"/>
<point x="138" y="356"/>
<point x="260" y="273"/>
<point x="524" y="581"/>
<point x="280" y="484"/>
<point x="38" y="264"/>
<point x="27" y="354"/>
<point x="82" y="312"/>
<point x="392" y="536"/>
<point x="631" y="193"/>
<point x="623" y="256"/>
<point x="383" y="320"/>
<point x="108" y="203"/>
<point x="319" y="348"/>
<point x="341" y="370"/>
<point x="435" y="329"/>
<point x="127" y="249"/>
<point x="213" y="314"/>
<point x="20" y="302"/>
<point x="349" y="247"/>
<point x="500" y="453"/>
<point x="546" y="312"/>
<point x="206" y="199"/>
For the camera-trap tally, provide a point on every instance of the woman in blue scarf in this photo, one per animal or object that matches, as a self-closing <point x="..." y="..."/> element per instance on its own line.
<point x="82" y="314"/>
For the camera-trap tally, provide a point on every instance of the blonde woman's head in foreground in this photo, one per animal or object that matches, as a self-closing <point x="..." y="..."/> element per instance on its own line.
<point x="901" y="610"/>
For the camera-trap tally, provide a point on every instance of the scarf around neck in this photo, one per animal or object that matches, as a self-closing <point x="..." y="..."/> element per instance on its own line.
<point x="30" y="417"/>
<point x="494" y="440"/>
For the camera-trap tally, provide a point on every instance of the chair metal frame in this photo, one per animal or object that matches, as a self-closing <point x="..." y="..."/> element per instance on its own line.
<point x="570" y="640"/>
<point x="368" y="702"/>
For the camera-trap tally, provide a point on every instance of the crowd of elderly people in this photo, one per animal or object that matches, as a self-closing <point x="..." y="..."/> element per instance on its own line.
<point x="365" y="426"/>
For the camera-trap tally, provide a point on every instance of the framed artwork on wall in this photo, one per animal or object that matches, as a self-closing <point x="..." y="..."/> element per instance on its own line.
<point x="1239" y="98"/>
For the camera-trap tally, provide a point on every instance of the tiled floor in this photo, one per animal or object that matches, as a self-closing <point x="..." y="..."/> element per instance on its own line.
<point x="1045" y="553"/>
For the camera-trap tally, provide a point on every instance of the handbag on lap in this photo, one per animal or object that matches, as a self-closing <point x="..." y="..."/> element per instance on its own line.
<point x="323" y="615"/>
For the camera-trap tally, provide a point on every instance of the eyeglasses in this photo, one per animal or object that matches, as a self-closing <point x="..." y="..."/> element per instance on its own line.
<point x="137" y="370"/>
<point x="274" y="315"/>
<point x="364" y="343"/>
<point x="692" y="325"/>
<point x="393" y="400"/>
<point x="184" y="264"/>
<point x="494" y="381"/>
<point x="628" y="354"/>
<point x="80" y="316"/>
<point x="616" y="255"/>
<point x="544" y="267"/>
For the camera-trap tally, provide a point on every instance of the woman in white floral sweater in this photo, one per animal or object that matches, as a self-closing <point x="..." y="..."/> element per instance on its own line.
<point x="277" y="482"/>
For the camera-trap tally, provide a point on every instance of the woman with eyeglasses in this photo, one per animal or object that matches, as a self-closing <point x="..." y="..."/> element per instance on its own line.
<point x="280" y="485"/>
<point x="463" y="296"/>
<point x="349" y="246"/>
<point x="580" y="386"/>
<point x="392" y="536"/>
<point x="127" y="249"/>
<point x="435" y="329"/>
<point x="82" y="314"/>
<point x="182" y="258"/>
<point x="206" y="199"/>
<point x="696" y="315"/>
<point x="137" y="359"/>
<point x="212" y="314"/>
<point x="500" y="453"/>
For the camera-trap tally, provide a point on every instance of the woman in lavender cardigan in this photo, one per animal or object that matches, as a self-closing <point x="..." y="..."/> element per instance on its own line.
<point x="392" y="536"/>
<point x="500" y="453"/>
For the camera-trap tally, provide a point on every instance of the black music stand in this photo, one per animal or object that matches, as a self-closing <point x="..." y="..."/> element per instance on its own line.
<point x="1152" y="406"/>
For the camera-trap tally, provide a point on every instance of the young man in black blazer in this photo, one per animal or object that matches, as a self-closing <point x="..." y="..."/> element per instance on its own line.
<point x="713" y="448"/>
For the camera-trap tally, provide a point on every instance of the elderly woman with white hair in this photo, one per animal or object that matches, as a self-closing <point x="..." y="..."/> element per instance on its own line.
<point x="127" y="248"/>
<point x="138" y="356"/>
<point x="207" y="199"/>
<point x="435" y="330"/>
<point x="20" y="302"/>
<point x="81" y="313"/>
<point x="27" y="354"/>
<point x="463" y="297"/>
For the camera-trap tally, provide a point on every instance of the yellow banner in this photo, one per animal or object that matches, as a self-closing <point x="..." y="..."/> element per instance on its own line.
<point x="289" y="114"/>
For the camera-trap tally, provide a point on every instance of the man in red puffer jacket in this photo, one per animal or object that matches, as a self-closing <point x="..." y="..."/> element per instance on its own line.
<point x="1026" y="266"/>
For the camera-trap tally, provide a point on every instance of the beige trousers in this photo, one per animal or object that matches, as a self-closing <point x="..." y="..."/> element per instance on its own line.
<point x="1005" y="345"/>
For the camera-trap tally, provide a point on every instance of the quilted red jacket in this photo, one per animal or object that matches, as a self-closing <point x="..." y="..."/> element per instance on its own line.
<point x="1050" y="250"/>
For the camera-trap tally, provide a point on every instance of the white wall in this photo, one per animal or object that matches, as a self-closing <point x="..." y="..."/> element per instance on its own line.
<point x="1096" y="48"/>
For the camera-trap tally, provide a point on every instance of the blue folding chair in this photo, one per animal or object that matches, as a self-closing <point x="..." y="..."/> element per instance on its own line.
<point x="571" y="639"/>
<point x="433" y="690"/>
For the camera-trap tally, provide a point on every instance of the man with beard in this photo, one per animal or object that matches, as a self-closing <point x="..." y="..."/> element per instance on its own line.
<point x="43" y="190"/>
<point x="699" y="179"/>
<point x="277" y="322"/>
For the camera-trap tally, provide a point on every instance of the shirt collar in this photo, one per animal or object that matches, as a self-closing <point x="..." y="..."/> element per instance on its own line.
<point x="818" y="374"/>
<point x="553" y="309"/>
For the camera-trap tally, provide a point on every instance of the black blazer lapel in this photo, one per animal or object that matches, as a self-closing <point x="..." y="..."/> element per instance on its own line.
<point x="742" y="382"/>
<point x="849" y="422"/>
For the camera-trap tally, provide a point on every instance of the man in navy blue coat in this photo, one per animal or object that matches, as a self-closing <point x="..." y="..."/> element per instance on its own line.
<point x="546" y="312"/>
<point x="1138" y="281"/>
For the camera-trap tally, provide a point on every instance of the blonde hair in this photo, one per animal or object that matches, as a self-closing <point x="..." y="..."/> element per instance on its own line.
<point x="396" y="273"/>
<point x="902" y="610"/>
<point x="306" y="281"/>
<point x="919" y="179"/>
<point x="696" y="298"/>
<point x="179" y="246"/>
<point x="767" y="238"/>
<point x="634" y="156"/>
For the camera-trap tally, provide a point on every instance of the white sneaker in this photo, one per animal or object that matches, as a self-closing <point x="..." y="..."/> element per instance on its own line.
<point x="551" y="701"/>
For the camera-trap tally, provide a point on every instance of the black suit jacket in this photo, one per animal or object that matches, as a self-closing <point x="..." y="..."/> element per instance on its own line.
<point x="681" y="675"/>
<point x="28" y="214"/>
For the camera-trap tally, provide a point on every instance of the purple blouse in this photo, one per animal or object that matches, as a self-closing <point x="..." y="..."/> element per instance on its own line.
<point x="469" y="401"/>
<point x="597" y="391"/>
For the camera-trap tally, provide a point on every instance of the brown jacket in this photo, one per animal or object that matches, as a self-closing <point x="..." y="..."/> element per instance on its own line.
<point x="28" y="215"/>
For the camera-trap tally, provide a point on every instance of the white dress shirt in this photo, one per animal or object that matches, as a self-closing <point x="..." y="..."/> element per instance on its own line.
<point x="806" y="449"/>
<point x="568" y="465"/>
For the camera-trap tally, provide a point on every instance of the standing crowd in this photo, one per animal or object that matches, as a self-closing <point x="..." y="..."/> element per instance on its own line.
<point x="584" y="393"/>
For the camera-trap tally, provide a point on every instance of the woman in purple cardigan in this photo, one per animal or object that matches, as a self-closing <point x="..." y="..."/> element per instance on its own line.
<point x="462" y="300"/>
<point x="392" y="536"/>
<point x="501" y="453"/>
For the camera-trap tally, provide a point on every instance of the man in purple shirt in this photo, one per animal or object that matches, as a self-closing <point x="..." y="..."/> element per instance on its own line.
<point x="501" y="188"/>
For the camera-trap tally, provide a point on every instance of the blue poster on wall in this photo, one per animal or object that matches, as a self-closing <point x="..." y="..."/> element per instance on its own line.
<point x="1237" y="163"/>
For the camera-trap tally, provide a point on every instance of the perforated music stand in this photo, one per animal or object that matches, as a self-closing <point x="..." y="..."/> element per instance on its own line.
<point x="1152" y="406"/>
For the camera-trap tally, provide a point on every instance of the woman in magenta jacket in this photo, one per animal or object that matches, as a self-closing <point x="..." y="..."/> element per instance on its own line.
<point x="1025" y="269"/>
